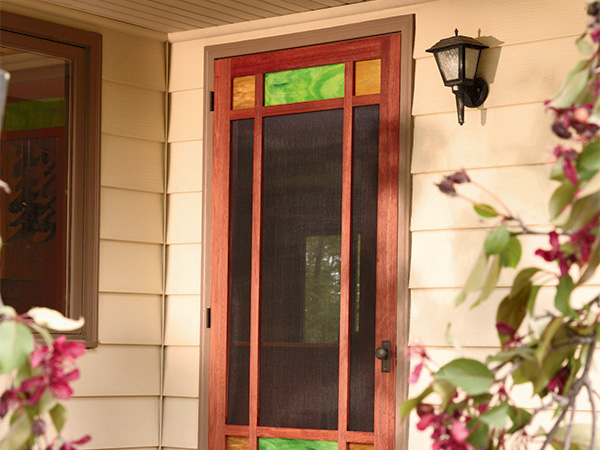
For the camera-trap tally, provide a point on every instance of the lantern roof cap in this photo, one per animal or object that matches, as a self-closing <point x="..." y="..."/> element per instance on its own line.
<point x="455" y="41"/>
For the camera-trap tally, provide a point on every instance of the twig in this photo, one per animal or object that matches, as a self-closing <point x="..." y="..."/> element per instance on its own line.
<point x="572" y="393"/>
<point x="590" y="391"/>
<point x="567" y="444"/>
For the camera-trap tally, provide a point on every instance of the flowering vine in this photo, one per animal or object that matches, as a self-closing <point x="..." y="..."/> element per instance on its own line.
<point x="470" y="404"/>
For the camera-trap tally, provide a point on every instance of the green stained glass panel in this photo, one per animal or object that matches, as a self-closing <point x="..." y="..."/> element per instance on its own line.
<point x="304" y="85"/>
<point x="35" y="114"/>
<point x="295" y="444"/>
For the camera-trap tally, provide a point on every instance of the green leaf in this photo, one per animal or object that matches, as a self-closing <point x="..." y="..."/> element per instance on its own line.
<point x="17" y="435"/>
<point x="59" y="416"/>
<point x="520" y="418"/>
<point x="546" y="338"/>
<point x="557" y="172"/>
<point x="584" y="47"/>
<point x="532" y="298"/>
<point x="16" y="343"/>
<point x="446" y="390"/>
<point x="574" y="88"/>
<point x="511" y="255"/>
<point x="561" y="197"/>
<point x="490" y="280"/>
<point x="550" y="366"/>
<point x="592" y="185"/>
<point x="496" y="240"/>
<point x="562" y="300"/>
<point x="583" y="211"/>
<point x="522" y="279"/>
<point x="405" y="409"/>
<point x="476" y="279"/>
<point x="592" y="264"/>
<point x="581" y="435"/>
<point x="496" y="416"/>
<point x="470" y="375"/>
<point x="525" y="353"/>
<point x="512" y="310"/>
<point x="486" y="211"/>
<point x="589" y="158"/>
<point x="478" y="434"/>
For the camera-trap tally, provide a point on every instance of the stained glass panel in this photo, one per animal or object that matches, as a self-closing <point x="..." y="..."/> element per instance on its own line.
<point x="295" y="444"/>
<point x="237" y="443"/>
<point x="360" y="447"/>
<point x="243" y="92"/>
<point x="304" y="85"/>
<point x="367" y="77"/>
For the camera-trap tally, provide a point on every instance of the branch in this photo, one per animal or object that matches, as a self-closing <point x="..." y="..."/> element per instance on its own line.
<point x="573" y="393"/>
<point x="588" y="386"/>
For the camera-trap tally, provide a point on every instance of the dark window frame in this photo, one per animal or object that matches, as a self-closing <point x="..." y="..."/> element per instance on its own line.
<point x="83" y="259"/>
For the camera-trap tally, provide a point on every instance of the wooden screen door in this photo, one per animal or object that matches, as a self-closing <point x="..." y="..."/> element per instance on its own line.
<point x="304" y="248"/>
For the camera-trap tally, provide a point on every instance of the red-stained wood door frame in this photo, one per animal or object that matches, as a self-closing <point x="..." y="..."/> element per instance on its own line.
<point x="391" y="167"/>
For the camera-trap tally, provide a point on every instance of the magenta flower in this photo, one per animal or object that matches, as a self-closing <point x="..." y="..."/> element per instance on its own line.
<point x="418" y="351"/>
<point x="556" y="253"/>
<point x="70" y="445"/>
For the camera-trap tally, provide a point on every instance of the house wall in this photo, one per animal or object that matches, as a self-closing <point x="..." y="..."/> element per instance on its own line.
<point x="118" y="398"/>
<point x="505" y="145"/>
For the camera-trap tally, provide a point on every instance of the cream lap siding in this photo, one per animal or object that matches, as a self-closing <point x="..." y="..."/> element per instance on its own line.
<point x="505" y="145"/>
<point x="118" y="398"/>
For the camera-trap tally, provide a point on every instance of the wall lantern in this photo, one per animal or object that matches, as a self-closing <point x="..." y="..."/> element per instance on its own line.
<point x="457" y="58"/>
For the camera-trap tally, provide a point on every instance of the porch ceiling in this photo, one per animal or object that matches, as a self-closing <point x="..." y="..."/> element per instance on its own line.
<point x="181" y="15"/>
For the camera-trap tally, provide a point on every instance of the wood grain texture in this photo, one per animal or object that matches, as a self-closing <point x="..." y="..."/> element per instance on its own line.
<point x="119" y="370"/>
<point x="129" y="267"/>
<point x="504" y="136"/>
<point x="132" y="163"/>
<point x="121" y="107"/>
<point x="129" y="319"/>
<point x="131" y="216"/>
<point x="134" y="60"/>
<point x="368" y="77"/>
<point x="237" y="443"/>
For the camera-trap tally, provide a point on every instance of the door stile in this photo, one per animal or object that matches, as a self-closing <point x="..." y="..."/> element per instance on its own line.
<point x="256" y="264"/>
<point x="387" y="241"/>
<point x="346" y="263"/>
<point x="220" y="258"/>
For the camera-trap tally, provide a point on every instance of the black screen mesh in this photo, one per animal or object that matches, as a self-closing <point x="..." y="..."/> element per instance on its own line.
<point x="302" y="192"/>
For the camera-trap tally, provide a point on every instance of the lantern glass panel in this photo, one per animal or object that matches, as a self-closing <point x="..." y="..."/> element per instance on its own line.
<point x="448" y="62"/>
<point x="471" y="60"/>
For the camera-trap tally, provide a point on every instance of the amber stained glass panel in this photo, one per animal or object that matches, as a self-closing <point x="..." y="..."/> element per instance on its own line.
<point x="243" y="92"/>
<point x="367" y="77"/>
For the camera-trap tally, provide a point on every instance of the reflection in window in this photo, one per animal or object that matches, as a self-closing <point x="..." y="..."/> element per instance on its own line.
<point x="34" y="161"/>
<point x="322" y="289"/>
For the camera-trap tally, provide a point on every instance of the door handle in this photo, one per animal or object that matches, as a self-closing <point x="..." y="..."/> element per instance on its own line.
<point x="384" y="354"/>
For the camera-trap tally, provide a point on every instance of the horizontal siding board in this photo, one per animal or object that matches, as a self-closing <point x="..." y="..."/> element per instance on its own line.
<point x="180" y="425"/>
<point x="186" y="118"/>
<point x="129" y="319"/>
<point x="506" y="22"/>
<point x="182" y="372"/>
<point x="131" y="216"/>
<point x="443" y="259"/>
<point x="134" y="60"/>
<point x="525" y="190"/>
<point x="133" y="163"/>
<point x="132" y="111"/>
<point x="184" y="269"/>
<point x="183" y="320"/>
<point x="504" y="136"/>
<point x="119" y="370"/>
<point x="129" y="267"/>
<point x="114" y="422"/>
<point x="517" y="74"/>
<point x="185" y="218"/>
<point x="185" y="167"/>
<point x="187" y="66"/>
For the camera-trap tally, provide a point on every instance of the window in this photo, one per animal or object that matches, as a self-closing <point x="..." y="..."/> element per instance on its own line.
<point x="50" y="153"/>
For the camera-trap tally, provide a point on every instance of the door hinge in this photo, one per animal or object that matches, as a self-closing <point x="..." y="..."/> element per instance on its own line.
<point x="212" y="100"/>
<point x="207" y="317"/>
